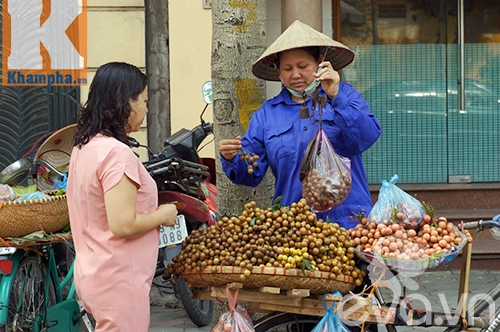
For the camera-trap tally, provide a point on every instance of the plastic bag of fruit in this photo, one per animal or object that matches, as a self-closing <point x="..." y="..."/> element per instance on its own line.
<point x="325" y="175"/>
<point x="331" y="321"/>
<point x="235" y="319"/>
<point x="395" y="205"/>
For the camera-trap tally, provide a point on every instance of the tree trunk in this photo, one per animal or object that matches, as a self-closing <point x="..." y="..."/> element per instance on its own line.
<point x="238" y="39"/>
<point x="158" y="72"/>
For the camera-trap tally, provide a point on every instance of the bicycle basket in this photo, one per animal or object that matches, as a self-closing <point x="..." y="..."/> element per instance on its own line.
<point x="20" y="218"/>
<point x="418" y="265"/>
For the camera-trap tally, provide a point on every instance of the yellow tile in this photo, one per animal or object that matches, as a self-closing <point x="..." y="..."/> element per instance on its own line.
<point x="116" y="36"/>
<point x="115" y="3"/>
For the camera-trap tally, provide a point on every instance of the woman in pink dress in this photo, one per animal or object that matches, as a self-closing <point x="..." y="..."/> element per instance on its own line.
<point x="113" y="203"/>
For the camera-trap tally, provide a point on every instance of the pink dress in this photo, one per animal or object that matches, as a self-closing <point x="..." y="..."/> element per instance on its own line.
<point x="112" y="276"/>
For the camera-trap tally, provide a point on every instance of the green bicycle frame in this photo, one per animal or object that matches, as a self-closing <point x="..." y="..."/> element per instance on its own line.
<point x="64" y="315"/>
<point x="61" y="316"/>
<point x="6" y="285"/>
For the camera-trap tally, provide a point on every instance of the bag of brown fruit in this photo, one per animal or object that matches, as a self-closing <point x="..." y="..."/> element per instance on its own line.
<point x="325" y="175"/>
<point x="236" y="319"/>
<point x="394" y="205"/>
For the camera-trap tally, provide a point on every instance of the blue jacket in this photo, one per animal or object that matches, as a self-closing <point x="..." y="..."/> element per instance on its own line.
<point x="280" y="137"/>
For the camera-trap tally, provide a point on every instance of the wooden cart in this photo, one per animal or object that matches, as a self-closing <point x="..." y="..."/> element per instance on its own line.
<point x="302" y="301"/>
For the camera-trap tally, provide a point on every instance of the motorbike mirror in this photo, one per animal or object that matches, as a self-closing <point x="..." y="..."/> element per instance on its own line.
<point x="133" y="142"/>
<point x="207" y="92"/>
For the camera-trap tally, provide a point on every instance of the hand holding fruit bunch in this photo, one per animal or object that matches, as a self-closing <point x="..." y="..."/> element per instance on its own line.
<point x="229" y="148"/>
<point x="251" y="160"/>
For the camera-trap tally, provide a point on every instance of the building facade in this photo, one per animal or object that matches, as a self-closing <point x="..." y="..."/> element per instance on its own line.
<point x="429" y="70"/>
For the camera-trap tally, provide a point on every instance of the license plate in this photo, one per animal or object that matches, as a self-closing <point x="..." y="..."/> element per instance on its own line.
<point x="173" y="235"/>
<point x="7" y="250"/>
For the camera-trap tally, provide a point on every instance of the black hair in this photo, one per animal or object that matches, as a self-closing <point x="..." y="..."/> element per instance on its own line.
<point x="107" y="108"/>
<point x="312" y="50"/>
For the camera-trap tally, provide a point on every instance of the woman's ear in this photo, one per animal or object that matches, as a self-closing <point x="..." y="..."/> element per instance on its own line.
<point x="281" y="79"/>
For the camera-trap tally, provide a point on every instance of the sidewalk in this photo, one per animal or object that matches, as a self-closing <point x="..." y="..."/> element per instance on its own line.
<point x="438" y="288"/>
<point x="167" y="313"/>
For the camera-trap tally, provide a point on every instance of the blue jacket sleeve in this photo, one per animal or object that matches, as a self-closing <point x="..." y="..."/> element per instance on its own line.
<point x="253" y="143"/>
<point x="358" y="127"/>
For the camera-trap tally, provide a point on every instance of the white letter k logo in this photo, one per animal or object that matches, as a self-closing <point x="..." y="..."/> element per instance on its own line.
<point x="27" y="34"/>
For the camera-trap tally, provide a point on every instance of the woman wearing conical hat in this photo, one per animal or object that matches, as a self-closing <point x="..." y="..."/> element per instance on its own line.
<point x="304" y="60"/>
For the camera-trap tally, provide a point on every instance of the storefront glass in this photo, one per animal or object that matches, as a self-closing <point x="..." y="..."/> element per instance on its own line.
<point x="431" y="75"/>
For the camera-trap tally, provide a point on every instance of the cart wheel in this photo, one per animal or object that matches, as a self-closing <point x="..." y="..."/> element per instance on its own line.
<point x="277" y="321"/>
<point x="199" y="311"/>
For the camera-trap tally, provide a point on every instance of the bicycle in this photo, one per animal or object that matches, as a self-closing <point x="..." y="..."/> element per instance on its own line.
<point x="375" y="312"/>
<point x="37" y="292"/>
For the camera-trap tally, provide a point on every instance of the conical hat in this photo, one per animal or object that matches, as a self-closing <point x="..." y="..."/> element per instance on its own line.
<point x="56" y="150"/>
<point x="299" y="35"/>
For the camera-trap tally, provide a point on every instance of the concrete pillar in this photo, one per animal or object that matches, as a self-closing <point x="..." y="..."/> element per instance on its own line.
<point x="308" y="12"/>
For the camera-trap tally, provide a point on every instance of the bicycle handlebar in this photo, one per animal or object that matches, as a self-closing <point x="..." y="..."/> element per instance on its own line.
<point x="481" y="224"/>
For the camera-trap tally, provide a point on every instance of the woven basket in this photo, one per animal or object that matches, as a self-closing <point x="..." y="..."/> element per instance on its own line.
<point x="285" y="279"/>
<point x="419" y="265"/>
<point x="20" y="218"/>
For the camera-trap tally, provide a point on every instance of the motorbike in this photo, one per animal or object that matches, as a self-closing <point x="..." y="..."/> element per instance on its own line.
<point x="187" y="180"/>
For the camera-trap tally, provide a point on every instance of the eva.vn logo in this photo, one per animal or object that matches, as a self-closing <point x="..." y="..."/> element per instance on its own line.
<point x="44" y="42"/>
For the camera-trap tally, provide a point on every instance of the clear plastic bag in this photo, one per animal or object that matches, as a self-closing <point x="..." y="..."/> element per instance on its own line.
<point x="34" y="195"/>
<point x="325" y="175"/>
<point x="6" y="193"/>
<point x="395" y="205"/>
<point x="235" y="319"/>
<point x="330" y="322"/>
